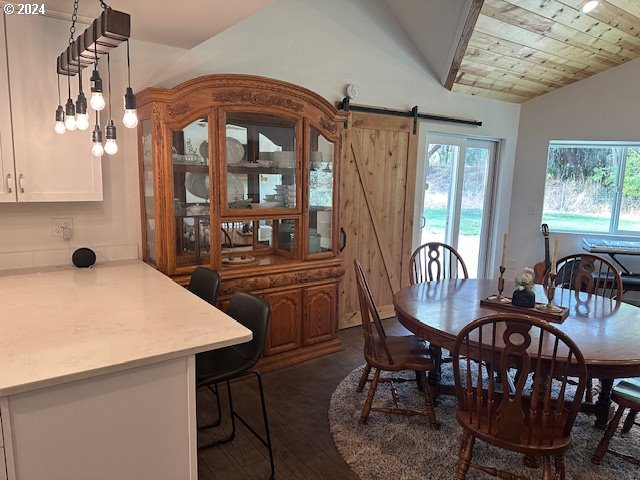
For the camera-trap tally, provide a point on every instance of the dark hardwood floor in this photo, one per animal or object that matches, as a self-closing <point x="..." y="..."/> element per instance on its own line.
<point x="297" y="402"/>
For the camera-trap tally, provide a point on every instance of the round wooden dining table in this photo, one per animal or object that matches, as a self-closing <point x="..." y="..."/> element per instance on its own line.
<point x="607" y="332"/>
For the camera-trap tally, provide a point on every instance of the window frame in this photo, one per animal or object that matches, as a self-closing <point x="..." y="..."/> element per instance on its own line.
<point x="621" y="163"/>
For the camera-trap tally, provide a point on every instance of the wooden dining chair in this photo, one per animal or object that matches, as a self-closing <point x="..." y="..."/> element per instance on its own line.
<point x="537" y="356"/>
<point x="585" y="275"/>
<point x="385" y="353"/>
<point x="627" y="395"/>
<point x="436" y="261"/>
<point x="580" y="276"/>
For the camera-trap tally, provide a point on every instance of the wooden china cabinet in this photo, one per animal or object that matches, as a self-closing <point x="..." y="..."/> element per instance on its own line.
<point x="239" y="173"/>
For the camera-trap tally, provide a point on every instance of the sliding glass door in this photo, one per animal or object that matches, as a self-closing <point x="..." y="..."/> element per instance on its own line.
<point x="456" y="196"/>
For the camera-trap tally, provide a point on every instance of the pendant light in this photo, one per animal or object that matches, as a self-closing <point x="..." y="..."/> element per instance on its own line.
<point x="110" y="146"/>
<point x="59" y="128"/>
<point x="69" y="110"/>
<point x="96" y="149"/>
<point x="97" y="100"/>
<point x="130" y="118"/>
<point x="82" y="119"/>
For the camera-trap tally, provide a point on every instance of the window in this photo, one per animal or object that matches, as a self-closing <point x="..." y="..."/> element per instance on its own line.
<point x="593" y="187"/>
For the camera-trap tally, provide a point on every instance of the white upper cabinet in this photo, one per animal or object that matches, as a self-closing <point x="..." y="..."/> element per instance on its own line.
<point x="8" y="187"/>
<point x="48" y="167"/>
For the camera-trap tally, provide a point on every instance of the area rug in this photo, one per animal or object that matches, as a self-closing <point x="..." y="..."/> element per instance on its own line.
<point x="405" y="448"/>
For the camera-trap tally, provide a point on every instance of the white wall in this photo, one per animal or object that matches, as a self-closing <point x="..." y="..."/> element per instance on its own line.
<point x="603" y="107"/>
<point x="319" y="45"/>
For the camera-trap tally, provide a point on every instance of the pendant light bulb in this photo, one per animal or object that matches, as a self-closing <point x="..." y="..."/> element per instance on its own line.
<point x="60" y="128"/>
<point x="97" y="100"/>
<point x="96" y="149"/>
<point x="110" y="146"/>
<point x="130" y="119"/>
<point x="82" y="119"/>
<point x="70" y="115"/>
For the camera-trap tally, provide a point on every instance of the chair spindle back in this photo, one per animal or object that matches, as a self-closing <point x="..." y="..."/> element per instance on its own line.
<point x="436" y="261"/>
<point x="497" y="359"/>
<point x="369" y="315"/>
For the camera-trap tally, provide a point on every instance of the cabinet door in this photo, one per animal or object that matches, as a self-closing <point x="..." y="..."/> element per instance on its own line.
<point x="286" y="316"/>
<point x="320" y="319"/>
<point x="8" y="187"/>
<point x="49" y="167"/>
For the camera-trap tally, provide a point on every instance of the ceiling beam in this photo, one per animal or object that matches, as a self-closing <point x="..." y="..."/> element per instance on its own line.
<point x="465" y="36"/>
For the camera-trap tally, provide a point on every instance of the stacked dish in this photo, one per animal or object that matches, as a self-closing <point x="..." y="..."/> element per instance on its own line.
<point x="285" y="159"/>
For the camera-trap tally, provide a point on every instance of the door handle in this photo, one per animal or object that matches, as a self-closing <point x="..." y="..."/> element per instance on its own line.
<point x="20" y="183"/>
<point x="9" y="189"/>
<point x="343" y="239"/>
<point x="423" y="222"/>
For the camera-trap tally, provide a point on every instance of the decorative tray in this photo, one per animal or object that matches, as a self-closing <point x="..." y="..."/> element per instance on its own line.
<point x="238" y="260"/>
<point x="557" y="317"/>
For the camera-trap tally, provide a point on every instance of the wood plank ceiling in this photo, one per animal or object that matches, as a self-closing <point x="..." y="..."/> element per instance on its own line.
<point x="520" y="49"/>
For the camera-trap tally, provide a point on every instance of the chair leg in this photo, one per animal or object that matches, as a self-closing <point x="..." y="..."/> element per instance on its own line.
<point x="464" y="456"/>
<point x="629" y="421"/>
<point x="431" y="414"/>
<point x="372" y="391"/>
<point x="546" y="468"/>
<point x="560" y="469"/>
<point x="232" y="435"/>
<point x="265" y="441"/>
<point x="215" y="423"/>
<point x="603" y="446"/>
<point x="588" y="395"/>
<point x="363" y="378"/>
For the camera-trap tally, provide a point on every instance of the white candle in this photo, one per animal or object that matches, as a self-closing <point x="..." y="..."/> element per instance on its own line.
<point x="505" y="240"/>
<point x="554" y="257"/>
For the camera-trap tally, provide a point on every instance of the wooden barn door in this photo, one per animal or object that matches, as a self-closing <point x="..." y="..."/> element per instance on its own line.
<point x="377" y="186"/>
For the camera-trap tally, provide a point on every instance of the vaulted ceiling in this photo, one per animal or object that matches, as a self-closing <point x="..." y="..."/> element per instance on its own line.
<point x="519" y="49"/>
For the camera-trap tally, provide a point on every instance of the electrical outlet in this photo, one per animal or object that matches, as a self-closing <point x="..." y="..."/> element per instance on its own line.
<point x="59" y="224"/>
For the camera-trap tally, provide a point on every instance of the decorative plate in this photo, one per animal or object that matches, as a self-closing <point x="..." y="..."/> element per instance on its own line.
<point x="235" y="151"/>
<point x="204" y="150"/>
<point x="197" y="184"/>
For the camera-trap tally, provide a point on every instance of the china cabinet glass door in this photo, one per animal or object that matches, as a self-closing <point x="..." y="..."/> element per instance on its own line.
<point x="261" y="161"/>
<point x="320" y="231"/>
<point x="192" y="190"/>
<point x="148" y="189"/>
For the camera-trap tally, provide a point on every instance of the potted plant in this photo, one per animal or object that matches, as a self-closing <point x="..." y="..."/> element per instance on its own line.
<point x="523" y="296"/>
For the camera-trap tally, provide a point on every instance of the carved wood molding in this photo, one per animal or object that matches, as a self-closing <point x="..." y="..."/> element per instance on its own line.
<point x="264" y="282"/>
<point x="179" y="109"/>
<point x="328" y="125"/>
<point x="263" y="99"/>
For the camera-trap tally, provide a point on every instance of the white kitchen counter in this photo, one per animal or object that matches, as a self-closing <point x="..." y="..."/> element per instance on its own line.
<point x="97" y="370"/>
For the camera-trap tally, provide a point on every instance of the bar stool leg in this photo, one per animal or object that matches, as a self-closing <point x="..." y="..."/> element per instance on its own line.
<point x="603" y="446"/>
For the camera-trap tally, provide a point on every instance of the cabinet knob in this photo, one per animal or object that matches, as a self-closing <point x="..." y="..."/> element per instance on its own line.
<point x="9" y="189"/>
<point x="20" y="183"/>
<point x="343" y="239"/>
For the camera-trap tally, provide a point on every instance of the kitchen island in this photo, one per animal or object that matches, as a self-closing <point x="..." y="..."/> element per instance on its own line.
<point x="97" y="373"/>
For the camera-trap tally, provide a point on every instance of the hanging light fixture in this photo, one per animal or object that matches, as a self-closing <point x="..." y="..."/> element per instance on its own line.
<point x="82" y="119"/>
<point x="69" y="110"/>
<point x="130" y="119"/>
<point x="97" y="99"/>
<point x="110" y="146"/>
<point x="59" y="128"/>
<point x="96" y="149"/>
<point x="106" y="32"/>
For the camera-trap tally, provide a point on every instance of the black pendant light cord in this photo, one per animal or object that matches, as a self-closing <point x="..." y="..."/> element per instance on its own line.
<point x="128" y="65"/>
<point x="59" y="99"/>
<point x="109" y="75"/>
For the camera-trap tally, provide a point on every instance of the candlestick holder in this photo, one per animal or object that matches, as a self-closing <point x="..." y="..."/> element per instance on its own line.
<point x="501" y="298"/>
<point x="550" y="290"/>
